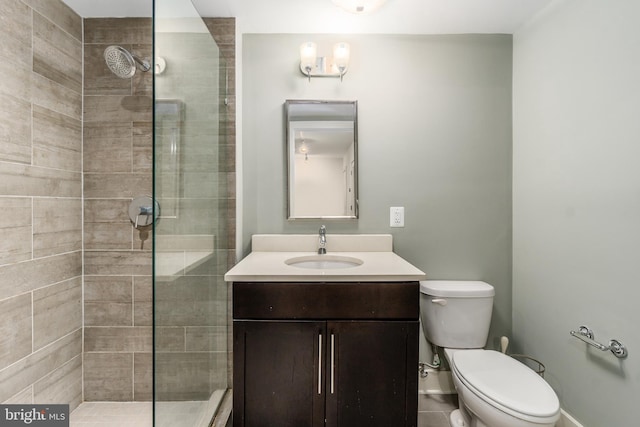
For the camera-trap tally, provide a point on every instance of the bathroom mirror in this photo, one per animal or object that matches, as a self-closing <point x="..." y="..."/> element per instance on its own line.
<point x="322" y="159"/>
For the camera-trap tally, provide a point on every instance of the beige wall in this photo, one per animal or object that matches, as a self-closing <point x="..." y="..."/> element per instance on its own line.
<point x="40" y="203"/>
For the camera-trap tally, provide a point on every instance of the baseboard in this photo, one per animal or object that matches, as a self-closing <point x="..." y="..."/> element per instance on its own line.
<point x="436" y="382"/>
<point x="567" y="420"/>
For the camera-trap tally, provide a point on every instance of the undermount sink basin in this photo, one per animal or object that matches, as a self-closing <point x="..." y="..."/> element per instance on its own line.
<point x="323" y="262"/>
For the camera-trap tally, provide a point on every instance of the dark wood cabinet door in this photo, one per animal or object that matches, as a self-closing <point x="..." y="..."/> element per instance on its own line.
<point x="372" y="374"/>
<point x="279" y="370"/>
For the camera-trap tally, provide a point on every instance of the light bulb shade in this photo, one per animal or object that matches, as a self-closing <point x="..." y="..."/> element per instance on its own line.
<point x="359" y="6"/>
<point x="341" y="53"/>
<point x="308" y="55"/>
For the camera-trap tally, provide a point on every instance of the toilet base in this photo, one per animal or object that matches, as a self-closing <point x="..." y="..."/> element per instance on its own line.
<point x="456" y="420"/>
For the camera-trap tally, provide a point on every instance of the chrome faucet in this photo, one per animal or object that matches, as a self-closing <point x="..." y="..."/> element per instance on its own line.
<point x="322" y="241"/>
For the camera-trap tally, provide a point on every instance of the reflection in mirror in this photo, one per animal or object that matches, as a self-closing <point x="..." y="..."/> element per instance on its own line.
<point x="322" y="159"/>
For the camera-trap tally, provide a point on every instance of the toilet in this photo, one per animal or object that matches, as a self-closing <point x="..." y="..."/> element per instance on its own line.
<point x="494" y="390"/>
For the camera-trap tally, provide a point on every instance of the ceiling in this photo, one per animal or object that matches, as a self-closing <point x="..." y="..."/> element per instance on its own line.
<point x="321" y="16"/>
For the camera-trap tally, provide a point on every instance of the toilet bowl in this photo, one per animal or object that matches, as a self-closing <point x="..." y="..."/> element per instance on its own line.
<point x="494" y="390"/>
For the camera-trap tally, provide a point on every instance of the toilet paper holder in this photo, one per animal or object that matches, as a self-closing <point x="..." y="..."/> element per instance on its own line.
<point x="585" y="334"/>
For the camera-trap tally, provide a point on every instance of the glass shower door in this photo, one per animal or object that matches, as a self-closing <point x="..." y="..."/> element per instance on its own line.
<point x="190" y="295"/>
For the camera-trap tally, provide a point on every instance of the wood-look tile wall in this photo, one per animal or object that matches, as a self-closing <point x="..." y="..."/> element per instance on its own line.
<point x="43" y="166"/>
<point x="40" y="203"/>
<point x="224" y="33"/>
<point x="117" y="166"/>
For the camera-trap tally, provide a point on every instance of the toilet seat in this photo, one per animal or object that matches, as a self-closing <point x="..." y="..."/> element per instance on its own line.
<point x="506" y="384"/>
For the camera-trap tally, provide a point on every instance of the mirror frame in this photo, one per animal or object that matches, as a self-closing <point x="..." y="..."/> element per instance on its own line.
<point x="290" y="151"/>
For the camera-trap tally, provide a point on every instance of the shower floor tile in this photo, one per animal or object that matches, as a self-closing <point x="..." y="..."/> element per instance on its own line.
<point x="112" y="414"/>
<point x="138" y="414"/>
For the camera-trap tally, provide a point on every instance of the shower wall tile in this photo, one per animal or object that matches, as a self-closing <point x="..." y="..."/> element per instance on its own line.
<point x="59" y="13"/>
<point x="117" y="167"/>
<point x="31" y="275"/>
<point x="117" y="108"/>
<point x="134" y="263"/>
<point x="142" y="301"/>
<point x="22" y="397"/>
<point x="15" y="225"/>
<point x="108" y="154"/>
<point x="117" y="111"/>
<point x="141" y="84"/>
<point x="143" y="376"/>
<point x="107" y="235"/>
<point x="170" y="338"/>
<point x="15" y="32"/>
<point x="118" y="30"/>
<point x="206" y="338"/>
<point x="118" y="339"/>
<point x="15" y="332"/>
<point x="16" y="79"/>
<point x="62" y="385"/>
<point x="108" y="376"/>
<point x="117" y="185"/>
<point x="57" y="140"/>
<point x="179" y="376"/>
<point x="57" y="226"/>
<point x="40" y="195"/>
<point x="100" y="130"/>
<point x="22" y="180"/>
<point x="181" y="303"/>
<point x="52" y="95"/>
<point x="106" y="210"/>
<point x="57" y="311"/>
<point x="224" y="33"/>
<point x="30" y="369"/>
<point x="108" y="301"/>
<point x="142" y="148"/>
<point x="56" y="54"/>
<point x="15" y="131"/>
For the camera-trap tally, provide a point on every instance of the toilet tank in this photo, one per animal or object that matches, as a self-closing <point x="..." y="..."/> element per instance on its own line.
<point x="456" y="314"/>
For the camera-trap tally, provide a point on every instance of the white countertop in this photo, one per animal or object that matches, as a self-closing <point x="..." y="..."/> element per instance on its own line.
<point x="269" y="263"/>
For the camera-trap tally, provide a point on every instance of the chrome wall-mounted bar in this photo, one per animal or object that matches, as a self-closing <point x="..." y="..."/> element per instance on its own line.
<point x="586" y="334"/>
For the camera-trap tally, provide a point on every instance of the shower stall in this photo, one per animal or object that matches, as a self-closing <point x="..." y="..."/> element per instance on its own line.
<point x="194" y="234"/>
<point x="117" y="212"/>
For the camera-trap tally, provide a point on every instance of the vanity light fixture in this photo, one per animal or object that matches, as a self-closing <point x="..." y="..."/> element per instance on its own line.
<point x="360" y="7"/>
<point x="312" y="65"/>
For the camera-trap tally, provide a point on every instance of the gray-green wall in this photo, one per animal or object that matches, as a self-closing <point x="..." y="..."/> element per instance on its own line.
<point x="434" y="137"/>
<point x="577" y="202"/>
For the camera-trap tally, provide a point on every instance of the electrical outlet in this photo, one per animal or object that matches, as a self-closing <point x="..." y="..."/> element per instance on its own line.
<point x="396" y="217"/>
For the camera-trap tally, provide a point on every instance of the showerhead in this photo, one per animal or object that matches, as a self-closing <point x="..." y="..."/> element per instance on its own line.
<point x="122" y="63"/>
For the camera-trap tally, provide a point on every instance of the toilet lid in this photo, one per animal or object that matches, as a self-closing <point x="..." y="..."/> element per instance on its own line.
<point x="457" y="288"/>
<point x="507" y="382"/>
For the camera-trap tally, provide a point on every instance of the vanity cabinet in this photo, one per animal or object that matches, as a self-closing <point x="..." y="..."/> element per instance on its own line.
<point x="325" y="354"/>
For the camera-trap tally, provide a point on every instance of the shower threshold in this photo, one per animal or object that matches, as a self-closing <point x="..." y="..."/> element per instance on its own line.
<point x="140" y="414"/>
